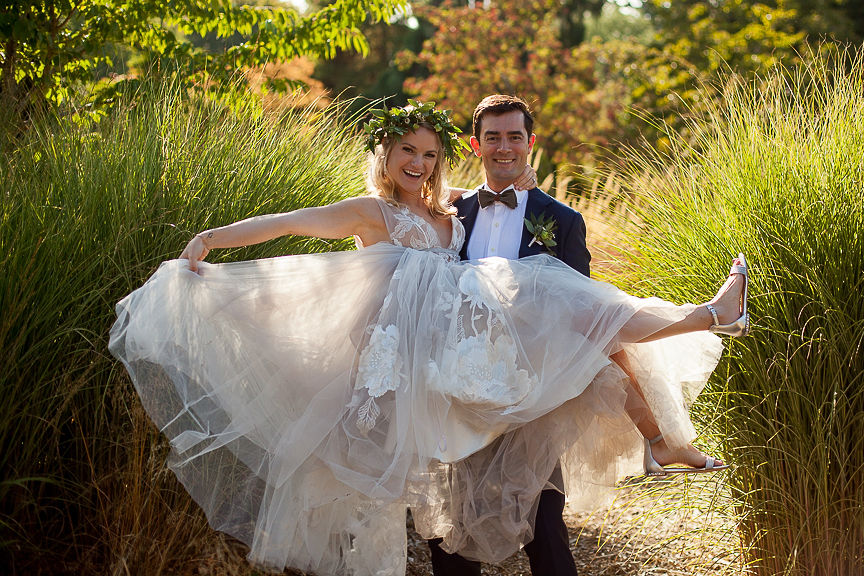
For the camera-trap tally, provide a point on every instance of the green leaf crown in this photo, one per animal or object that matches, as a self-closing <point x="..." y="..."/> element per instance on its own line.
<point x="396" y="122"/>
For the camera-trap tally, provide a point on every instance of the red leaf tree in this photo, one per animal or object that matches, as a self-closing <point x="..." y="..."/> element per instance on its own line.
<point x="578" y="94"/>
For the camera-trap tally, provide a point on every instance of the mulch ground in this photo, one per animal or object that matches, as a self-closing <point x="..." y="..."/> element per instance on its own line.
<point x="650" y="529"/>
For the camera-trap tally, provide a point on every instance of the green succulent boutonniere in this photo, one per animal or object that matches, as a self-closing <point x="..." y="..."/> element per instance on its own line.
<point x="543" y="228"/>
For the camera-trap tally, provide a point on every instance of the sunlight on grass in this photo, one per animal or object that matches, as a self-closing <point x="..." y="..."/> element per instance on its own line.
<point x="776" y="172"/>
<point x="88" y="213"/>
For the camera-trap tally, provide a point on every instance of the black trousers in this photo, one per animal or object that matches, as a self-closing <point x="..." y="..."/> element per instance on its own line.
<point x="549" y="552"/>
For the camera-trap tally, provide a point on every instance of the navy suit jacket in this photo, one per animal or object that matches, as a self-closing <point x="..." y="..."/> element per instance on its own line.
<point x="570" y="235"/>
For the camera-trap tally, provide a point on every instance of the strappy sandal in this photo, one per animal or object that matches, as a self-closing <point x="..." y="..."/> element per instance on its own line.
<point x="653" y="468"/>
<point x="740" y="327"/>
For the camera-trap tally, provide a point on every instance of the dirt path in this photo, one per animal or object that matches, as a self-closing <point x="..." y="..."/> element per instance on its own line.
<point x="673" y="528"/>
<point x="656" y="529"/>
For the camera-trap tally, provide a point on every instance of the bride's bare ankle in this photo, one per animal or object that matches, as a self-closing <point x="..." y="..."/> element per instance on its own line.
<point x="727" y="302"/>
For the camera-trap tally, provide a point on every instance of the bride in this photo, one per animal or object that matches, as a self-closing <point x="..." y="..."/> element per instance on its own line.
<point x="310" y="400"/>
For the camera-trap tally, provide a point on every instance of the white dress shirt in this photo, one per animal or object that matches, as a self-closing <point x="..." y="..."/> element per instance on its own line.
<point x="498" y="229"/>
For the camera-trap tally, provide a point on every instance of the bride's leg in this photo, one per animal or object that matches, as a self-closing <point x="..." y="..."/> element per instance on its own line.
<point x="637" y="409"/>
<point x="636" y="405"/>
<point x="645" y="327"/>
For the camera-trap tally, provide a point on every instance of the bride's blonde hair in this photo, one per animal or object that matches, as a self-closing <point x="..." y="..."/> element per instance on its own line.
<point x="435" y="192"/>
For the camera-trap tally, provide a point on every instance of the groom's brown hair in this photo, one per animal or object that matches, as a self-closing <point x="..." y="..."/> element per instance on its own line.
<point x="497" y="104"/>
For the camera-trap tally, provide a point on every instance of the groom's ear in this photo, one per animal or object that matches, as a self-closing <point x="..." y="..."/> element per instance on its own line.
<point x="531" y="141"/>
<point x="475" y="145"/>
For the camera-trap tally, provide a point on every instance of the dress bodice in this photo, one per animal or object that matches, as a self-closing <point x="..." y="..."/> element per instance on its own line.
<point x="412" y="231"/>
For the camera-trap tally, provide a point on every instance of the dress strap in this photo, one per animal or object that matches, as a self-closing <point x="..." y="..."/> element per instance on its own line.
<point x="387" y="212"/>
<point x="389" y="220"/>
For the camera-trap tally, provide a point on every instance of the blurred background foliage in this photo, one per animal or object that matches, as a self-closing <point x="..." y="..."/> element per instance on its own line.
<point x="594" y="70"/>
<point x="125" y="125"/>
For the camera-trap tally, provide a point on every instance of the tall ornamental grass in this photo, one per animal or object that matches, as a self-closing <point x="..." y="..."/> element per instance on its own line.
<point x="87" y="214"/>
<point x="776" y="172"/>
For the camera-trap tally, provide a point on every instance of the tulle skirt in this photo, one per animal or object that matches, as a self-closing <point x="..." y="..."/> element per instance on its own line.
<point x="310" y="400"/>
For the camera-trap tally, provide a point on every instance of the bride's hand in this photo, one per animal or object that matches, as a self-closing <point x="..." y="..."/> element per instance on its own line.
<point x="196" y="250"/>
<point x="527" y="180"/>
<point x="456" y="193"/>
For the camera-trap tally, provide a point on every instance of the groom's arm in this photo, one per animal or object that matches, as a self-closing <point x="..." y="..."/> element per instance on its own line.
<point x="573" y="250"/>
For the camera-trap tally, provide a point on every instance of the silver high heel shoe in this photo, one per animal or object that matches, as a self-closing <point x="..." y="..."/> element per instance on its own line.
<point x="653" y="468"/>
<point x="741" y="327"/>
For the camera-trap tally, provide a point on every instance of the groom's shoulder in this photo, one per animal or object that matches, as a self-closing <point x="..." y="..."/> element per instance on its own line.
<point x="547" y="202"/>
<point x="465" y="200"/>
<point x="468" y="194"/>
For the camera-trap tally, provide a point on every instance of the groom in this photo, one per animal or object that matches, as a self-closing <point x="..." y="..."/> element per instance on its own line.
<point x="494" y="218"/>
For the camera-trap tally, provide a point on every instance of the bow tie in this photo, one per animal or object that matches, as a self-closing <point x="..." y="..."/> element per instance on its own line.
<point x="486" y="197"/>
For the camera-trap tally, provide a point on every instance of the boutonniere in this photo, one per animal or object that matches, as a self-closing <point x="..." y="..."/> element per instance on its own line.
<point x="543" y="228"/>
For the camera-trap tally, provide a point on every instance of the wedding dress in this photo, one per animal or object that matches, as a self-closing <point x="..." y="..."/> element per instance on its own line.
<point x="310" y="400"/>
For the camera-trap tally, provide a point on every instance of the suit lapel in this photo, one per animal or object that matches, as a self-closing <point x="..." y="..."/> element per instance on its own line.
<point x="467" y="209"/>
<point x="535" y="204"/>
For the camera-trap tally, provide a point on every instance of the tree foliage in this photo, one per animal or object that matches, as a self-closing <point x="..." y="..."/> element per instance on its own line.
<point x="374" y="75"/>
<point x="704" y="37"/>
<point x="838" y="20"/>
<point x="515" y="48"/>
<point x="698" y="43"/>
<point x="570" y="16"/>
<point x="48" y="47"/>
<point x="582" y="88"/>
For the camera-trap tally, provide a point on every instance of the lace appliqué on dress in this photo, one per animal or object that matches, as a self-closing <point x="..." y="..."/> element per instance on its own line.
<point x="412" y="231"/>
<point x="482" y="372"/>
<point x="378" y="372"/>
<point x="419" y="233"/>
<point x="479" y="369"/>
<point x="479" y="363"/>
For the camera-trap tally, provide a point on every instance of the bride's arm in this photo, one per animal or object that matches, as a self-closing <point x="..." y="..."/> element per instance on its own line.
<point x="355" y="216"/>
<point x="527" y="179"/>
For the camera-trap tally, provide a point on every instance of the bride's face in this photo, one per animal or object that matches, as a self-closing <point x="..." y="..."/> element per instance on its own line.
<point x="412" y="160"/>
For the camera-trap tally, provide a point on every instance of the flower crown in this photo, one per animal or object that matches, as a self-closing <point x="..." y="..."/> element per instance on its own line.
<point x="398" y="121"/>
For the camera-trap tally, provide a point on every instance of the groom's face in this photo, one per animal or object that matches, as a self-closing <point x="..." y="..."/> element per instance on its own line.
<point x="503" y="146"/>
